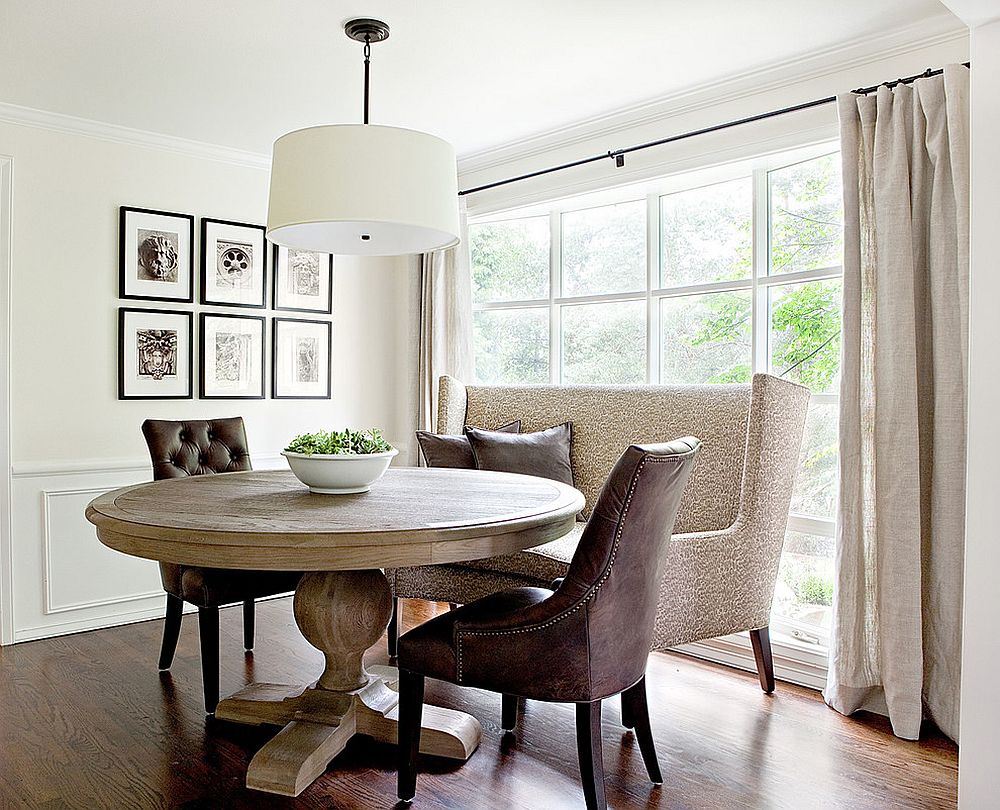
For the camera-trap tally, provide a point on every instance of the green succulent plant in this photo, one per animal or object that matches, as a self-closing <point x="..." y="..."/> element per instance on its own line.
<point x="340" y="442"/>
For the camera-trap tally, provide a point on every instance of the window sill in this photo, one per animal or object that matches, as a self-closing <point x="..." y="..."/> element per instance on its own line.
<point x="794" y="662"/>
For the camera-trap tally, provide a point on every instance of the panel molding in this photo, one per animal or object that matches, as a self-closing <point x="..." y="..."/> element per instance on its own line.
<point x="6" y="542"/>
<point x="97" y="466"/>
<point x="50" y="604"/>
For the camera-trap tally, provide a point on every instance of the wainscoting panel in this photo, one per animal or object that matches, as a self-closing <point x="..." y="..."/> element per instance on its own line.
<point x="70" y="550"/>
<point x="65" y="580"/>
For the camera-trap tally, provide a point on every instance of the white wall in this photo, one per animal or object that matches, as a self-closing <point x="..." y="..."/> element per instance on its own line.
<point x="979" y="757"/>
<point x="70" y="436"/>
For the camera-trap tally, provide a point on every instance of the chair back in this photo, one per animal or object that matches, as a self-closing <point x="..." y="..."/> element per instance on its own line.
<point x="196" y="447"/>
<point x="620" y="560"/>
<point x="608" y="418"/>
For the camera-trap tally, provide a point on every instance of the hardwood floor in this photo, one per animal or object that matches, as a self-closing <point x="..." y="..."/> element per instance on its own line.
<point x="87" y="722"/>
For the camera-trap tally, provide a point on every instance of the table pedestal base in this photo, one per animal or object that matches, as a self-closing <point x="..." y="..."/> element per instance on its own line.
<point x="341" y="613"/>
<point x="318" y="723"/>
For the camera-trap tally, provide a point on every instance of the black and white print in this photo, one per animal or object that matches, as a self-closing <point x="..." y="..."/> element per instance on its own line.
<point x="233" y="264"/>
<point x="300" y="359"/>
<point x="232" y="356"/>
<point x="306" y="360"/>
<point x="158" y="257"/>
<point x="156" y="350"/>
<point x="155" y="354"/>
<point x="155" y="255"/>
<point x="303" y="280"/>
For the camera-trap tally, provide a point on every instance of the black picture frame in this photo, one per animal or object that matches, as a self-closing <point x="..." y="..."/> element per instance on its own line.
<point x="124" y="271"/>
<point x="276" y="365"/>
<point x="203" y="365"/>
<point x="275" y="272"/>
<point x="123" y="313"/>
<point x="255" y="232"/>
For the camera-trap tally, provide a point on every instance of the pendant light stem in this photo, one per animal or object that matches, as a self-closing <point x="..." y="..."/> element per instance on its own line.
<point x="368" y="53"/>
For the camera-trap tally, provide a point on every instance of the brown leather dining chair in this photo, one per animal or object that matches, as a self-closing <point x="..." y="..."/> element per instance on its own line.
<point x="586" y="641"/>
<point x="179" y="449"/>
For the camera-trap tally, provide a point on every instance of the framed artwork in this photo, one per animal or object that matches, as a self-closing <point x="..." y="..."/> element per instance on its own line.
<point x="300" y="358"/>
<point x="233" y="263"/>
<point x="155" y="255"/>
<point x="232" y="356"/>
<point x="155" y="354"/>
<point x="303" y="280"/>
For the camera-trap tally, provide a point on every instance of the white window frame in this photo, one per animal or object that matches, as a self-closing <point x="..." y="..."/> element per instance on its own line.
<point x="800" y="649"/>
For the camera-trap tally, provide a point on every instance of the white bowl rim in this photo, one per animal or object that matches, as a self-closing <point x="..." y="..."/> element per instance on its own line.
<point x="341" y="456"/>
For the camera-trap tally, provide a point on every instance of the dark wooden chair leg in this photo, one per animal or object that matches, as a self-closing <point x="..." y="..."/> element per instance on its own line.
<point x="411" y="706"/>
<point x="508" y="712"/>
<point x="634" y="702"/>
<point x="588" y="746"/>
<point x="392" y="631"/>
<point x="208" y="631"/>
<point x="171" y="630"/>
<point x="628" y="721"/>
<point x="761" y="641"/>
<point x="248" y="622"/>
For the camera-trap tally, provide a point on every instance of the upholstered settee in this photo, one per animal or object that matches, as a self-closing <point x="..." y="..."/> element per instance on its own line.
<point x="723" y="561"/>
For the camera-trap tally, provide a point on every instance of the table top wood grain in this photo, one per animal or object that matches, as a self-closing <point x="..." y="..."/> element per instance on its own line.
<point x="268" y="520"/>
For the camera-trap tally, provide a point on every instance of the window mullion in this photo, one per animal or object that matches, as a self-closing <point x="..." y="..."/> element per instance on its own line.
<point x="555" y="290"/>
<point x="759" y="317"/>
<point x="652" y="281"/>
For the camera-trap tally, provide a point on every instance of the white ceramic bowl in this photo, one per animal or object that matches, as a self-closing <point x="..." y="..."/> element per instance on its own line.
<point x="339" y="474"/>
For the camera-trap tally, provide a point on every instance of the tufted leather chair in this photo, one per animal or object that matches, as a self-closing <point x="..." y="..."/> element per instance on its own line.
<point x="585" y="641"/>
<point x="179" y="449"/>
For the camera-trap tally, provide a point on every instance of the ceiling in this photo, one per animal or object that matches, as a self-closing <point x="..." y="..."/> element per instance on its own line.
<point x="478" y="74"/>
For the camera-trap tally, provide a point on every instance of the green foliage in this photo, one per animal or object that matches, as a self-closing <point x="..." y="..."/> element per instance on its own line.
<point x="510" y="260"/>
<point x="814" y="589"/>
<point x="604" y="249"/>
<point x="805" y="326"/>
<point x="706" y="234"/>
<point x="512" y="346"/>
<point x="340" y="442"/>
<point x="706" y="338"/>
<point x="604" y="344"/>
<point x="806" y="216"/>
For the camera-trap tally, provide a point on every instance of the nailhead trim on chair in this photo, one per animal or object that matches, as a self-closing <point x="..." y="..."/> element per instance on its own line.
<point x="595" y="587"/>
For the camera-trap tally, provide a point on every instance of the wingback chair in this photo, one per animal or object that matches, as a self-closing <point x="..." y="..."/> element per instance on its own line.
<point x="731" y="521"/>
<point x="586" y="641"/>
<point x="179" y="449"/>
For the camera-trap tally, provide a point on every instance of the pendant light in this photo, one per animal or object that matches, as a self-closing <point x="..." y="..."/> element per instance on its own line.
<point x="363" y="189"/>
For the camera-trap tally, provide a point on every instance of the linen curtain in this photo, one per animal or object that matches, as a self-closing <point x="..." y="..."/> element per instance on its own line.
<point x="445" y="341"/>
<point x="897" y="622"/>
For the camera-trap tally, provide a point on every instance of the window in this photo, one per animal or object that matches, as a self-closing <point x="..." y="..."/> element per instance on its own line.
<point x="703" y="279"/>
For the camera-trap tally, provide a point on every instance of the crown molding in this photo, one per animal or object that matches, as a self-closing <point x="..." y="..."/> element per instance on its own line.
<point x="115" y="133"/>
<point x="858" y="53"/>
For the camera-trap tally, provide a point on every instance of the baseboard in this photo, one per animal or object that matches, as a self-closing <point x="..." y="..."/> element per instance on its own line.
<point x="104" y="622"/>
<point x="85" y="625"/>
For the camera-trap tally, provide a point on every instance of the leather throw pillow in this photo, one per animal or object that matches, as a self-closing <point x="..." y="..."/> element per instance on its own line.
<point x="443" y="450"/>
<point x="544" y="453"/>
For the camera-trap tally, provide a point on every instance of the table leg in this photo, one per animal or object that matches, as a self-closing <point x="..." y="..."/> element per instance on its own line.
<point x="342" y="614"/>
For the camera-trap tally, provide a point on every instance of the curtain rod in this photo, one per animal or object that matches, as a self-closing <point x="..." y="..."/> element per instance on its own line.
<point x="618" y="155"/>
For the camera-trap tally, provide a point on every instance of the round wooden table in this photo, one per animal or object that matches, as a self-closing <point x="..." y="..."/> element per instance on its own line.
<point x="269" y="521"/>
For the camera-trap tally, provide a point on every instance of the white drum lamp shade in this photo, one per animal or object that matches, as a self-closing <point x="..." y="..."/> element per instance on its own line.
<point x="364" y="190"/>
